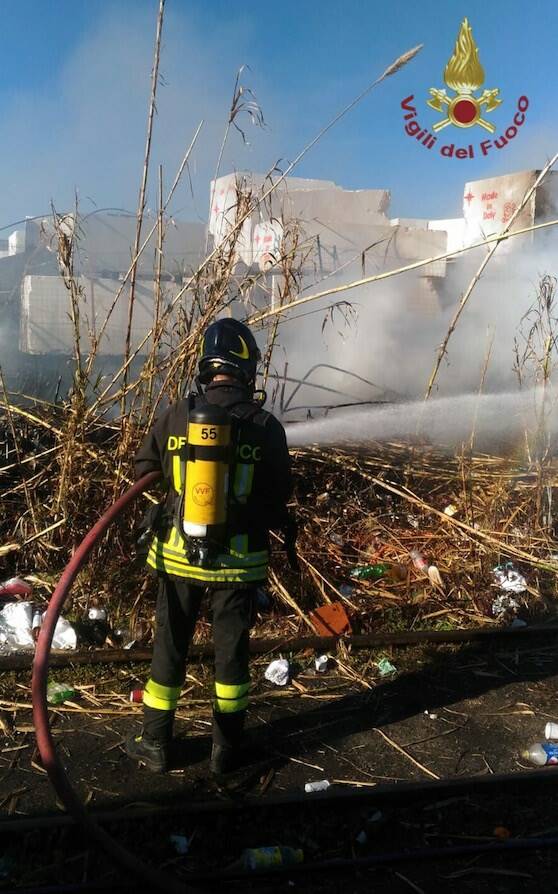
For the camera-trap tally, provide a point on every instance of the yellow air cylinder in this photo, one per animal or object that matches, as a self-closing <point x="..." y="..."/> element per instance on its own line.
<point x="207" y="470"/>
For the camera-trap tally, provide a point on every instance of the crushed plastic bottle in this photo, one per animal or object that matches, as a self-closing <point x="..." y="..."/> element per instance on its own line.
<point x="542" y="754"/>
<point x="385" y="667"/>
<point x="255" y="858"/>
<point x="320" y="786"/>
<point x="369" y="572"/>
<point x="57" y="693"/>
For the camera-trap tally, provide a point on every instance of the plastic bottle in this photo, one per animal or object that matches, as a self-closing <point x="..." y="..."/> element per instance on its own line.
<point x="370" y="572"/>
<point x="36" y="625"/>
<point x="59" y="692"/>
<point x="541" y="754"/>
<point x="96" y="627"/>
<point x="255" y="858"/>
<point x="96" y="613"/>
<point x="320" y="786"/>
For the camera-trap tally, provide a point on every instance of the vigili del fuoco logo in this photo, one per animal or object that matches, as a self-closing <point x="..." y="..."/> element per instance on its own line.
<point x="465" y="106"/>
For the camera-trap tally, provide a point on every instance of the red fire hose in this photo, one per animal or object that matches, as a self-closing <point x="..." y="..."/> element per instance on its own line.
<point x="51" y="762"/>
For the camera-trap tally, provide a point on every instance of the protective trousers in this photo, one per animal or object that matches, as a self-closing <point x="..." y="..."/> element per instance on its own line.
<point x="178" y="605"/>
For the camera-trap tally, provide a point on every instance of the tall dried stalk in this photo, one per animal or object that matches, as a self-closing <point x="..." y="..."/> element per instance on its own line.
<point x="243" y="102"/>
<point x="143" y="186"/>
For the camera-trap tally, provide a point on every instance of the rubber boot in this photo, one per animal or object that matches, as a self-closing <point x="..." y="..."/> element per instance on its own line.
<point x="149" y="752"/>
<point x="227" y="740"/>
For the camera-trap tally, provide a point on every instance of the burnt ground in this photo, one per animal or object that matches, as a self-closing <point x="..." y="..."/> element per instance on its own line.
<point x="483" y="706"/>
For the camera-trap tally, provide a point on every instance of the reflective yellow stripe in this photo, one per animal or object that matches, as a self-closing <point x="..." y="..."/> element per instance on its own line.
<point x="162" y="691"/>
<point x="231" y="706"/>
<point x="238" y="560"/>
<point x="176" y="473"/>
<point x="226" y="690"/>
<point x="164" y="698"/>
<point x="243" y="481"/>
<point x="217" y="575"/>
<point x="179" y="558"/>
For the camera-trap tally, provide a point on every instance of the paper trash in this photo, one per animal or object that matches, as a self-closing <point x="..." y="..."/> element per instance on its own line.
<point x="278" y="672"/>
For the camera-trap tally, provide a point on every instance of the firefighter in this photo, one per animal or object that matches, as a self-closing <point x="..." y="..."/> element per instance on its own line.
<point x="227" y="573"/>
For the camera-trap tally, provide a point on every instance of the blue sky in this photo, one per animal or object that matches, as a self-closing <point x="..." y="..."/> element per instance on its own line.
<point x="75" y="80"/>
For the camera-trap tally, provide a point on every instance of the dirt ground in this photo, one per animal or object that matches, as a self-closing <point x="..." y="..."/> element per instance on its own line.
<point x="448" y="712"/>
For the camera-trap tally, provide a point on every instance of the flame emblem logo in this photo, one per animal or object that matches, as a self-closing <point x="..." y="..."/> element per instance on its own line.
<point x="464" y="75"/>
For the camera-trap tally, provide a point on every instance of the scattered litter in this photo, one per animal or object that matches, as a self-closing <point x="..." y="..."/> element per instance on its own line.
<point x="64" y="635"/>
<point x="413" y="521"/>
<point x="451" y="510"/>
<point x="18" y="620"/>
<point x="15" y="586"/>
<point x="551" y="730"/>
<point x="346" y="590"/>
<point x="507" y="578"/>
<point x="518" y="623"/>
<point x="435" y="577"/>
<point x="278" y="672"/>
<point x="541" y="754"/>
<point x="320" y="786"/>
<point x="136" y="696"/>
<point x="369" y="572"/>
<point x="362" y="837"/>
<point x="330" y="620"/>
<point x="430" y="715"/>
<point x="96" y="613"/>
<point x="255" y="858"/>
<point x="385" y="667"/>
<point x="181" y="844"/>
<point x="57" y="693"/>
<point x="321" y="499"/>
<point x="418" y="560"/>
<point x="36" y="624"/>
<point x="321" y="663"/>
<point x="337" y="539"/>
<point x="503" y="605"/>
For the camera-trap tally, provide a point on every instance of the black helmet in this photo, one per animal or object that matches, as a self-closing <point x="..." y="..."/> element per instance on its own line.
<point x="228" y="347"/>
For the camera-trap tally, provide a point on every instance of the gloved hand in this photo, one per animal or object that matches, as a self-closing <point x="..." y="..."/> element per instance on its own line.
<point x="290" y="531"/>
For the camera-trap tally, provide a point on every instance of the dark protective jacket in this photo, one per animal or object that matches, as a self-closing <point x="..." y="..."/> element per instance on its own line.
<point x="259" y="487"/>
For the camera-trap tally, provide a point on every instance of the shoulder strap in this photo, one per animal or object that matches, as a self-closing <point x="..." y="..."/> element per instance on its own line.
<point x="246" y="411"/>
